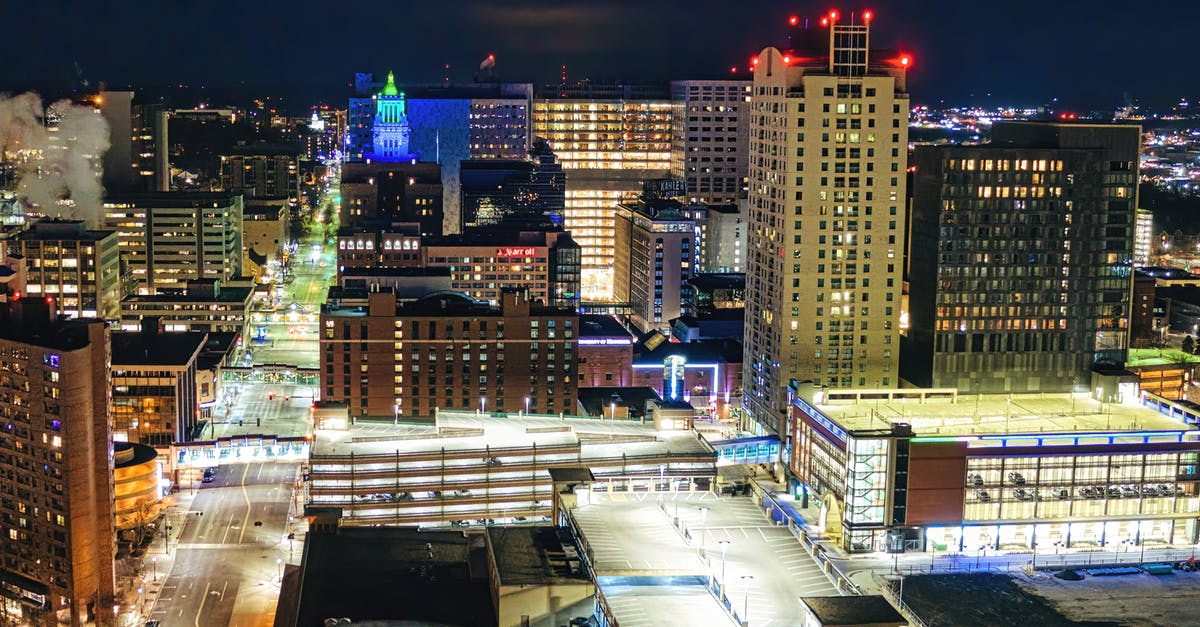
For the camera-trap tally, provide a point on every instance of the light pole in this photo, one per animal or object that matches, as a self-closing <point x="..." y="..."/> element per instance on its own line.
<point x="724" y="547"/>
<point x="279" y="563"/>
<point x="482" y="404"/>
<point x="154" y="566"/>
<point x="703" y="519"/>
<point x="527" y="404"/>
<point x="746" y="579"/>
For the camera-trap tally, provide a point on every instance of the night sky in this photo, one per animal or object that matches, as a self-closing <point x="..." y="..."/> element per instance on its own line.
<point x="1087" y="52"/>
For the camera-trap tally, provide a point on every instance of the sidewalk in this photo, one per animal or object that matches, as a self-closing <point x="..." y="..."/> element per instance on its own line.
<point x="139" y="590"/>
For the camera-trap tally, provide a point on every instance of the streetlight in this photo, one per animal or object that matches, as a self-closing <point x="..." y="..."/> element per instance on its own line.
<point x="724" y="547"/>
<point x="527" y="404"/>
<point x="279" y="562"/>
<point x="746" y="579"/>
<point x="482" y="404"/>
<point x="154" y="566"/>
<point x="703" y="519"/>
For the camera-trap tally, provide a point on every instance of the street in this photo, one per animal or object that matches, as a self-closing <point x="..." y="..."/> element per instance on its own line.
<point x="282" y="409"/>
<point x="286" y="332"/>
<point x="225" y="570"/>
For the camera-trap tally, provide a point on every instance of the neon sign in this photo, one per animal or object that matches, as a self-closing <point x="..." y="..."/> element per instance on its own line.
<point x="517" y="251"/>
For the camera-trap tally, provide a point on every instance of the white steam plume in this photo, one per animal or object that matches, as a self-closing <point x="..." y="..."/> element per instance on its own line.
<point x="57" y="163"/>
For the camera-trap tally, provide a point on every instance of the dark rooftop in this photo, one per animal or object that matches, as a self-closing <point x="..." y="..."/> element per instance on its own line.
<point x="1159" y="272"/>
<point x="870" y="609"/>
<point x="173" y="199"/>
<point x="30" y="320"/>
<point x="353" y="272"/>
<point x="700" y="351"/>
<point x="66" y="230"/>
<point x="532" y="556"/>
<point x="137" y="348"/>
<point x="226" y="295"/>
<point x="595" y="401"/>
<point x="719" y="281"/>
<point x="387" y="574"/>
<point x="1183" y="293"/>
<point x="127" y="454"/>
<point x="602" y="326"/>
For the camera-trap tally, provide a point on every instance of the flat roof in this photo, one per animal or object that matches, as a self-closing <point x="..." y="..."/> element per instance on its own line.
<point x="466" y="431"/>
<point x="602" y="326"/>
<point x="981" y="414"/>
<point x="226" y="295"/>
<point x="134" y="348"/>
<point x="870" y="609"/>
<point x="533" y="556"/>
<point x="392" y="574"/>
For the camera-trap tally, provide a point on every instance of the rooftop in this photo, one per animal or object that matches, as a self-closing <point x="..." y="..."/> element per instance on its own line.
<point x="596" y="401"/>
<point x="941" y="414"/>
<point x="388" y="574"/>
<point x="532" y="556"/>
<point x="595" y="326"/>
<point x="717" y="281"/>
<point x="226" y="295"/>
<point x="172" y="199"/>
<point x="468" y="431"/>
<point x="135" y="348"/>
<point x="698" y="352"/>
<point x="871" y="609"/>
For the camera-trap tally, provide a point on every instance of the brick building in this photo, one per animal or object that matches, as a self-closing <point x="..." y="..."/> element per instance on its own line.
<point x="446" y="351"/>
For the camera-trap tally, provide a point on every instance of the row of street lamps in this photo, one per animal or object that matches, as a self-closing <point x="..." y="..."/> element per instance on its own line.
<point x="724" y="544"/>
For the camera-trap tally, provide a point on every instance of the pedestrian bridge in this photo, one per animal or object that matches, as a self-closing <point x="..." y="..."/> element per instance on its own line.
<point x="755" y="450"/>
<point x="240" y="449"/>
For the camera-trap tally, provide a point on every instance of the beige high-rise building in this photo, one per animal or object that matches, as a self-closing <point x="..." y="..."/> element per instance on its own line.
<point x="828" y="153"/>
<point x="609" y="138"/>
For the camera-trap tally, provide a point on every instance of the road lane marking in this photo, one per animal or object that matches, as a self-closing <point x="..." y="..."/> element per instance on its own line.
<point x="203" y="598"/>
<point x="246" y="495"/>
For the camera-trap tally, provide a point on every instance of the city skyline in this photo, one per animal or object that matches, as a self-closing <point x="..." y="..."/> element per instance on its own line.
<point x="1019" y="51"/>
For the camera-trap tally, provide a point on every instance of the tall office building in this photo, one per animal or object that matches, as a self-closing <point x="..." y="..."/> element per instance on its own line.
<point x="78" y="269"/>
<point x="1019" y="277"/>
<point x="710" y="124"/>
<point x="1143" y="238"/>
<point x="262" y="172"/>
<point x="168" y="239"/>
<point x="137" y="156"/>
<point x="56" y="499"/>
<point x="447" y="124"/>
<point x="527" y="191"/>
<point x="609" y="137"/>
<point x="828" y="149"/>
<point x="381" y="194"/>
<point x="654" y="257"/>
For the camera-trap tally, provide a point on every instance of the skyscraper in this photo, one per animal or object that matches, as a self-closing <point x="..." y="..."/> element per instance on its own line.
<point x="137" y="157"/>
<point x="1019" y="276"/>
<point x="710" y="126"/>
<point x="56" y="457"/>
<point x="167" y="239"/>
<point x="828" y="148"/>
<point x="610" y="137"/>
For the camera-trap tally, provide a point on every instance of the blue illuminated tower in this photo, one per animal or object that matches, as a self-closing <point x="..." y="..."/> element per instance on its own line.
<point x="391" y="130"/>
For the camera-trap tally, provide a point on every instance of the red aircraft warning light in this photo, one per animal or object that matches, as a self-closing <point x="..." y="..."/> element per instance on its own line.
<point x="868" y="15"/>
<point x="793" y="20"/>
